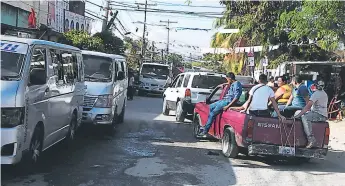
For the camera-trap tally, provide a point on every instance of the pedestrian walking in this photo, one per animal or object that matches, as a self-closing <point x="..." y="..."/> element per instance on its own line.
<point x="130" y="91"/>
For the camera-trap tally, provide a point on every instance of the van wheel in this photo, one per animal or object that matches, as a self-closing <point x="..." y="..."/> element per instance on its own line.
<point x="165" y="108"/>
<point x="229" y="145"/>
<point x="122" y="114"/>
<point x="112" y="128"/>
<point x="36" y="145"/>
<point x="196" y="126"/>
<point x="72" y="129"/>
<point x="180" y="114"/>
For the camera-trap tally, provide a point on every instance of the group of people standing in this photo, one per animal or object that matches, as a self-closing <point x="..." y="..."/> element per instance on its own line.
<point x="289" y="100"/>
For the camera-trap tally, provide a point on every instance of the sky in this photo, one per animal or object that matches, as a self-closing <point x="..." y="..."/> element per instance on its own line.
<point x="200" y="39"/>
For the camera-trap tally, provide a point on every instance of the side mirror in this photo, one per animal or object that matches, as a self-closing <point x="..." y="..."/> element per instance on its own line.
<point x="121" y="75"/>
<point x="37" y="76"/>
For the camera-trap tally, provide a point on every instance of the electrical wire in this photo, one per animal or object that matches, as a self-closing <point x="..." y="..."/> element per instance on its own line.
<point x="183" y="5"/>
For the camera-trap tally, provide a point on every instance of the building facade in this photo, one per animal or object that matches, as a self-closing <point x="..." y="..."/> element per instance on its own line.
<point x="52" y="18"/>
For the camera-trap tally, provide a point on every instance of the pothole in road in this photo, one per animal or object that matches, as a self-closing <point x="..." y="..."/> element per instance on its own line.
<point x="147" y="167"/>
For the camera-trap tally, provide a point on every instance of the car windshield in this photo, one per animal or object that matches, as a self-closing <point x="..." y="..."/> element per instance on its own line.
<point x="97" y="68"/>
<point x="155" y="71"/>
<point x="11" y="65"/>
<point x="207" y="82"/>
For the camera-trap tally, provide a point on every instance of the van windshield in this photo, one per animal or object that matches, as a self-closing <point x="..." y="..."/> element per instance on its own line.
<point x="155" y="71"/>
<point x="97" y="68"/>
<point x="11" y="64"/>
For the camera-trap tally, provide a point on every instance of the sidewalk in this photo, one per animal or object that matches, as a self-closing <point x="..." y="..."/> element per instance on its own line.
<point x="336" y="153"/>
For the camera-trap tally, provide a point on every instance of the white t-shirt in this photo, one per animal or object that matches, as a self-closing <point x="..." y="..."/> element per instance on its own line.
<point x="261" y="97"/>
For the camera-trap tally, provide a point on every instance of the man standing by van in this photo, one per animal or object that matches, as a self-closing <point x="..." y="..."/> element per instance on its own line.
<point x="231" y="98"/>
<point x="314" y="111"/>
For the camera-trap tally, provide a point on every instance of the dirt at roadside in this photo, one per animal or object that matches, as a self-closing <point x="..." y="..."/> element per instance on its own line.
<point x="336" y="153"/>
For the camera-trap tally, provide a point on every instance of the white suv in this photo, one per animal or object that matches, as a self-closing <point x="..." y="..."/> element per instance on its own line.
<point x="187" y="89"/>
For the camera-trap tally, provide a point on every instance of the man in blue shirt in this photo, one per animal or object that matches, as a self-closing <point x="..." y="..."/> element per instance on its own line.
<point x="230" y="99"/>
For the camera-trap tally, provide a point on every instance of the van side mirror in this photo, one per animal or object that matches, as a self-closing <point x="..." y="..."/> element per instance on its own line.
<point x="37" y="76"/>
<point x="120" y="75"/>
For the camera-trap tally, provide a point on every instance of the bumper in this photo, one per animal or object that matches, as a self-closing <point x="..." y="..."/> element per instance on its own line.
<point x="12" y="144"/>
<point x="188" y="106"/>
<point x="97" y="116"/>
<point x="263" y="149"/>
<point x="156" y="90"/>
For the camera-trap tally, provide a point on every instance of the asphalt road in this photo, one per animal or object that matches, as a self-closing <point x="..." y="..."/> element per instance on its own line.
<point x="151" y="149"/>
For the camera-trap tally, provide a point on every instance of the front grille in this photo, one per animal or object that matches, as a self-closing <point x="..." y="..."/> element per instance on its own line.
<point x="89" y="101"/>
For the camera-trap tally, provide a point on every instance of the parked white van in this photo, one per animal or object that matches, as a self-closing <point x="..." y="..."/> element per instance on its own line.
<point x="42" y="90"/>
<point x="106" y="78"/>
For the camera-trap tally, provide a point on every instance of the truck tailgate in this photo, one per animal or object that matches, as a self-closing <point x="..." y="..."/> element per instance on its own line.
<point x="269" y="131"/>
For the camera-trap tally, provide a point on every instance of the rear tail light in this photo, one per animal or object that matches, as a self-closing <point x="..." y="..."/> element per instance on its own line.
<point x="188" y="93"/>
<point x="326" y="139"/>
<point x="250" y="127"/>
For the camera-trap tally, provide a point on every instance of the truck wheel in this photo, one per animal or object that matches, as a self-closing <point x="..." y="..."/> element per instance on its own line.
<point x="196" y="126"/>
<point x="180" y="114"/>
<point x="229" y="145"/>
<point x="165" y="108"/>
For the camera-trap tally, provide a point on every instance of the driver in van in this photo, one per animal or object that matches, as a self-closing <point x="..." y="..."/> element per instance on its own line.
<point x="104" y="69"/>
<point x="314" y="111"/>
<point x="233" y="95"/>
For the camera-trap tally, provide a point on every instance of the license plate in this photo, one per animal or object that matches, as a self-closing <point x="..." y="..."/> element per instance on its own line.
<point x="287" y="151"/>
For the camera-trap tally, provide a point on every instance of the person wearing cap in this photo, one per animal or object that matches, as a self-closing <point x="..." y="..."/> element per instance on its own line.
<point x="230" y="99"/>
<point x="271" y="82"/>
<point x="314" y="111"/>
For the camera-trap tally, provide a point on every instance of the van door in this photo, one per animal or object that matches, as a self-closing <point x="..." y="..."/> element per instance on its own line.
<point x="38" y="94"/>
<point x="80" y="88"/>
<point x="61" y="87"/>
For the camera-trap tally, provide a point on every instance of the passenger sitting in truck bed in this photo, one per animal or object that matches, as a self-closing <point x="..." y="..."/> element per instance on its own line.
<point x="283" y="93"/>
<point x="314" y="111"/>
<point x="259" y="95"/>
<point x="231" y="98"/>
<point x="297" y="100"/>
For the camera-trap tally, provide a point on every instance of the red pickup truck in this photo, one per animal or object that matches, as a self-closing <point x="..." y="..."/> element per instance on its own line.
<point x="244" y="133"/>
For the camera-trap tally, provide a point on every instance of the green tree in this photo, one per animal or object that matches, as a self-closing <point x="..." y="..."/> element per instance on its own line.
<point x="112" y="44"/>
<point x="82" y="40"/>
<point x="175" y="59"/>
<point x="132" y="49"/>
<point x="287" y="24"/>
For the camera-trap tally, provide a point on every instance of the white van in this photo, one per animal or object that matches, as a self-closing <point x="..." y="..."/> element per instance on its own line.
<point x="42" y="90"/>
<point x="153" y="77"/>
<point x="106" y="78"/>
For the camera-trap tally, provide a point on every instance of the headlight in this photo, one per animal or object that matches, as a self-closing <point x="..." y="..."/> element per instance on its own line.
<point x="104" y="101"/>
<point x="12" y="117"/>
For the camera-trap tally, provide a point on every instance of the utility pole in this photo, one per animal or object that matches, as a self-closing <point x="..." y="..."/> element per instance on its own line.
<point x="105" y="21"/>
<point x="168" y="28"/>
<point x="153" y="51"/>
<point x="162" y="52"/>
<point x="143" y="47"/>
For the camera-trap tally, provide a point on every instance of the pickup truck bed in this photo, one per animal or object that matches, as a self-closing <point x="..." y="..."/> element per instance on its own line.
<point x="259" y="135"/>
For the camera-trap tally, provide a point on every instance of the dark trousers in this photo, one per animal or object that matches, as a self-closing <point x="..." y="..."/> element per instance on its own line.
<point x="130" y="92"/>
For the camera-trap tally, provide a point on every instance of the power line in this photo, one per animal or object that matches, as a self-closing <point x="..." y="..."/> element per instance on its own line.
<point x="183" y="5"/>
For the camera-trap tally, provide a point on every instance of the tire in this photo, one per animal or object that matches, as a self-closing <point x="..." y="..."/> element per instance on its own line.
<point x="165" y="110"/>
<point x="196" y="126"/>
<point x="180" y="114"/>
<point x="72" y="129"/>
<point x="36" y="145"/>
<point x="122" y="115"/>
<point x="229" y="145"/>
